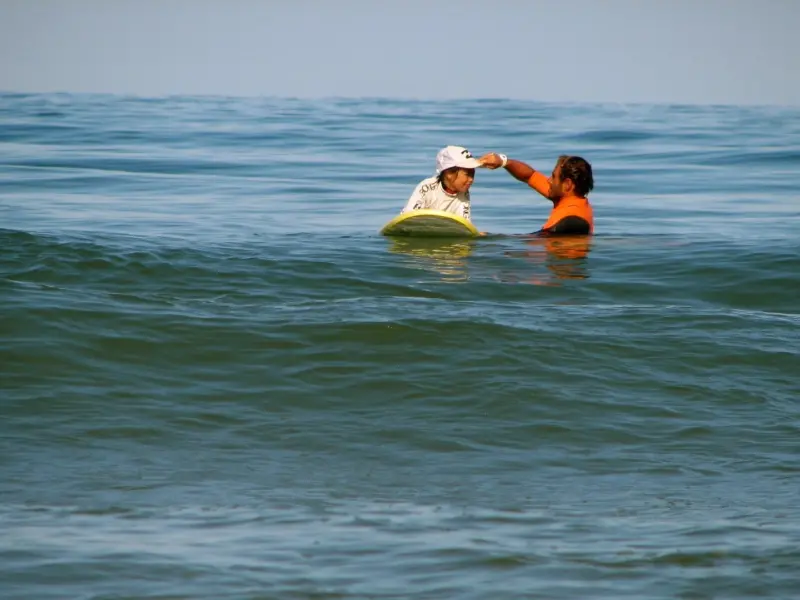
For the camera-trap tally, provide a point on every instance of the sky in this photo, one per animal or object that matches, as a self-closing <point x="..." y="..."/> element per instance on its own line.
<point x="626" y="51"/>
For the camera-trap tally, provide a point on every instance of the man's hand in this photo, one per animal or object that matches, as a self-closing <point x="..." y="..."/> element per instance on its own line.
<point x="517" y="168"/>
<point x="491" y="161"/>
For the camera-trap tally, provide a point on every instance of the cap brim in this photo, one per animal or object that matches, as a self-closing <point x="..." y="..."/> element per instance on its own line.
<point x="470" y="163"/>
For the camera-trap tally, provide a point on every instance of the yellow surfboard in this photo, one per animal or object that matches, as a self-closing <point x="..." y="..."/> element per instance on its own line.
<point x="429" y="223"/>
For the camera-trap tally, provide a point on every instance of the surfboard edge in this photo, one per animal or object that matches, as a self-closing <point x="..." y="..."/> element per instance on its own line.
<point x="391" y="228"/>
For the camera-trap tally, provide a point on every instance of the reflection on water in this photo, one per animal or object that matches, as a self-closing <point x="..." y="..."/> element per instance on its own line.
<point x="446" y="256"/>
<point x="547" y="260"/>
<point x="553" y="258"/>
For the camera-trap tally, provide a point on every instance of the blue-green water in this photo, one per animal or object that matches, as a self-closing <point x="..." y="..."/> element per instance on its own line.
<point x="218" y="381"/>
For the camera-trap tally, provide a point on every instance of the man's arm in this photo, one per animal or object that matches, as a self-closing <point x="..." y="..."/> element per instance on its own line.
<point x="519" y="170"/>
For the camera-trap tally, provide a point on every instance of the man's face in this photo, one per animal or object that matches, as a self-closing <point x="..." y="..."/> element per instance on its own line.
<point x="556" y="186"/>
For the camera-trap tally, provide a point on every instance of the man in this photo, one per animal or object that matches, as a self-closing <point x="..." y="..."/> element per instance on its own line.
<point x="568" y="188"/>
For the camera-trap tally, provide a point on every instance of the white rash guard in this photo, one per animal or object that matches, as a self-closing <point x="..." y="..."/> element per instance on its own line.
<point x="431" y="195"/>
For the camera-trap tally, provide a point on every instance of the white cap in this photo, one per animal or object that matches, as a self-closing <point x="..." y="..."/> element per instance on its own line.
<point x="455" y="156"/>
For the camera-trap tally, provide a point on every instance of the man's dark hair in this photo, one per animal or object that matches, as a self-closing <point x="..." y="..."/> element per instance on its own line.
<point x="579" y="172"/>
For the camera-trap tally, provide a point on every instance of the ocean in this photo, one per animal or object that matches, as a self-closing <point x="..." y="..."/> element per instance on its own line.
<point x="218" y="380"/>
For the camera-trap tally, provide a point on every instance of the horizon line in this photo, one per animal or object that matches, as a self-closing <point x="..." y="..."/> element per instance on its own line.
<point x="395" y="98"/>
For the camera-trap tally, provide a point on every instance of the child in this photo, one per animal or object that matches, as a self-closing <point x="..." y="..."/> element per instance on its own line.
<point x="448" y="190"/>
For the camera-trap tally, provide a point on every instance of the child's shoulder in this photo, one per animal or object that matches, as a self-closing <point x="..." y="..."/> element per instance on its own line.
<point x="427" y="184"/>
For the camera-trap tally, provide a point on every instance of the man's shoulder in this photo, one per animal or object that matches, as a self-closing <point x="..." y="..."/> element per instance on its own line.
<point x="575" y="202"/>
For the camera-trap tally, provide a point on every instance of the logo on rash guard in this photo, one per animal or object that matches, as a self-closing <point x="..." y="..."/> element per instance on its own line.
<point x="428" y="187"/>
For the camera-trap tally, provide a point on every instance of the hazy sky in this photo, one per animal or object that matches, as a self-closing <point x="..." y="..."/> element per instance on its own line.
<point x="694" y="51"/>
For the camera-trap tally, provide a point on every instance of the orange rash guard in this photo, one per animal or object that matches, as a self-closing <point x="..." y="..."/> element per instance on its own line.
<point x="571" y="214"/>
